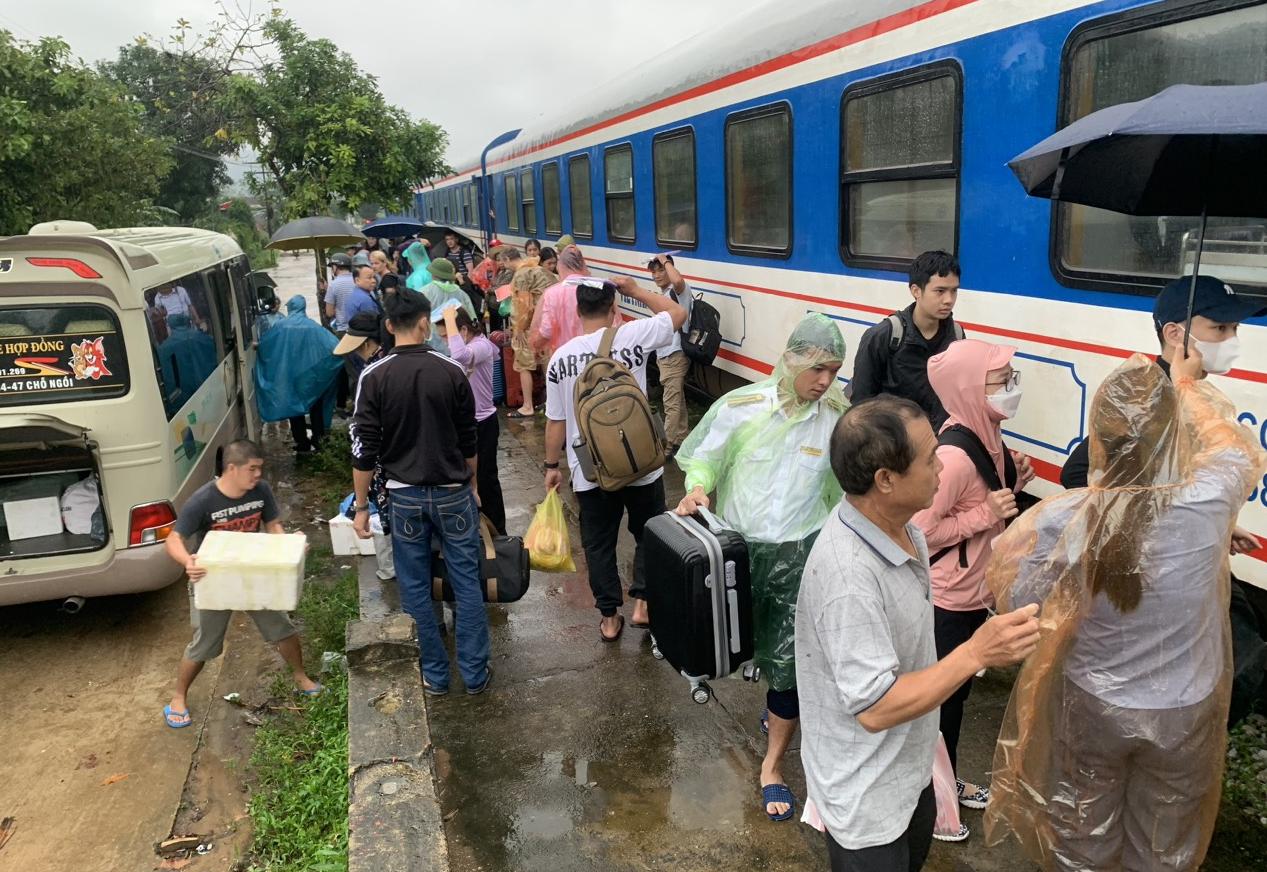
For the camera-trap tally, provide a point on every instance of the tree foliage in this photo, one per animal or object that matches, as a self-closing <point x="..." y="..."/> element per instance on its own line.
<point x="74" y="145"/>
<point x="324" y="131"/>
<point x="181" y="81"/>
<point x="182" y="100"/>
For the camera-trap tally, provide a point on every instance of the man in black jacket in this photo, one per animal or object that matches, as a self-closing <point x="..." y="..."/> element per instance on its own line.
<point x="415" y="416"/>
<point x="893" y="355"/>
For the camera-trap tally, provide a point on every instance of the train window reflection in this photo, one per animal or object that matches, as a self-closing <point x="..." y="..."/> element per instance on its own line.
<point x="1134" y="60"/>
<point x="550" y="197"/>
<point x="580" y="196"/>
<point x="759" y="181"/>
<point x="673" y="169"/>
<point x="618" y="176"/>
<point x="528" y="197"/>
<point x="899" y="166"/>
<point x="512" y="202"/>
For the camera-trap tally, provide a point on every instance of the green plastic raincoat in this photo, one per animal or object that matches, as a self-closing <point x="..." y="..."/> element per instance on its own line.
<point x="763" y="452"/>
<point x="418" y="259"/>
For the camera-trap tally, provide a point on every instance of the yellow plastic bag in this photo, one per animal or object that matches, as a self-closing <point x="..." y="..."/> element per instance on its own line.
<point x="547" y="537"/>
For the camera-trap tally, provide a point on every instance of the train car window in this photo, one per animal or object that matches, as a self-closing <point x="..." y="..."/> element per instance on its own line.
<point x="899" y="147"/>
<point x="759" y="181"/>
<point x="512" y="202"/>
<point x="528" y="198"/>
<point x="673" y="171"/>
<point x="1129" y="57"/>
<point x="618" y="178"/>
<point x="580" y="196"/>
<point x="472" y="199"/>
<point x="550" y="196"/>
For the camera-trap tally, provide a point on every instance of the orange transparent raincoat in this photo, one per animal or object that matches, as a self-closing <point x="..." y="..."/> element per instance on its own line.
<point x="1111" y="751"/>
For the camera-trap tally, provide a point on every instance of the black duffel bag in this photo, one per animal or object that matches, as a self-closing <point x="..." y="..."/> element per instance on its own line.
<point x="504" y="568"/>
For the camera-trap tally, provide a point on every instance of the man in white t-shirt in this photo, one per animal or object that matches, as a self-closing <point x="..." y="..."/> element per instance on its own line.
<point x="602" y="511"/>
<point x="174" y="300"/>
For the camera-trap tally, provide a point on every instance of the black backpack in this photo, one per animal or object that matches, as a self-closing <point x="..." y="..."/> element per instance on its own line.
<point x="963" y="438"/>
<point x="899" y="330"/>
<point x="701" y="334"/>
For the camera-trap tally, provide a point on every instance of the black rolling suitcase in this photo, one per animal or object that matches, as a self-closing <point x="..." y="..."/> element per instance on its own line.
<point x="699" y="597"/>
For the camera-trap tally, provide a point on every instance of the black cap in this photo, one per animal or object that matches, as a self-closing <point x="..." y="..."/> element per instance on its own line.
<point x="1213" y="299"/>
<point x="341" y="260"/>
<point x="363" y="324"/>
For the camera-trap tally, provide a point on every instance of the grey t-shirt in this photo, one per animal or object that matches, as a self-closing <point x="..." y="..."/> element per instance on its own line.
<point x="864" y="616"/>
<point x="209" y="509"/>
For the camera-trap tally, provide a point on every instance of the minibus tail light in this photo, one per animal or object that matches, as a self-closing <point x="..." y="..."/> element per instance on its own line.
<point x="150" y="523"/>
<point x="78" y="267"/>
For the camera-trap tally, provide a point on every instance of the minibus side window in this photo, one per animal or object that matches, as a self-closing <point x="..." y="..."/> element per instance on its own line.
<point x="248" y="302"/>
<point x="222" y="306"/>
<point x="180" y="320"/>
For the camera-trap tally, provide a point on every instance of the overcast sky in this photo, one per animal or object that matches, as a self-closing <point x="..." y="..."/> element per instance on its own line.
<point x="476" y="69"/>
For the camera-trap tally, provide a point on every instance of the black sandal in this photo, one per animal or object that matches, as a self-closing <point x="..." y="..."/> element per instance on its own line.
<point x="619" y="629"/>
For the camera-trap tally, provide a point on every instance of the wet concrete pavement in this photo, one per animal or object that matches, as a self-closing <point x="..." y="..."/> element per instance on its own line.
<point x="588" y="756"/>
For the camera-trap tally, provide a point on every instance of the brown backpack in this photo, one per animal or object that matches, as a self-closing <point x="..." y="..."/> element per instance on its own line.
<point x="623" y="438"/>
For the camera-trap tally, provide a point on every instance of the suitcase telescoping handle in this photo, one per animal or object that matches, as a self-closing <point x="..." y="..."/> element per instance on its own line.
<point x="728" y="572"/>
<point x="717" y="589"/>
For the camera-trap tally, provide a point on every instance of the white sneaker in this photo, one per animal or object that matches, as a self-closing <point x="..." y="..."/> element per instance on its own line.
<point x="977" y="800"/>
<point x="953" y="837"/>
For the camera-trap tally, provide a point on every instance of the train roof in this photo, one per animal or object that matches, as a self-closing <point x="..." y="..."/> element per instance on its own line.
<point x="773" y="30"/>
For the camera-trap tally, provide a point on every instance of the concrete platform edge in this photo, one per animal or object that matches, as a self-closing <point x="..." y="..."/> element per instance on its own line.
<point x="394" y="818"/>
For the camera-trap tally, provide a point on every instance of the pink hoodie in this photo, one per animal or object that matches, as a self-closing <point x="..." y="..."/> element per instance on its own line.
<point x="959" y="511"/>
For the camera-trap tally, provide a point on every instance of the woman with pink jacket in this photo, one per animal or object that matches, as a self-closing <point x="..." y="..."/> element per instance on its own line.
<point x="976" y="496"/>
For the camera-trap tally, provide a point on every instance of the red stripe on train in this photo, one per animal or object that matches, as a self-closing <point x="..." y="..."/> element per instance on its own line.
<point x="861" y="34"/>
<point x="1071" y="344"/>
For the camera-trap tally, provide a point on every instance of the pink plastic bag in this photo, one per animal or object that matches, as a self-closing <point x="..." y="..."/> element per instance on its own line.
<point x="944" y="789"/>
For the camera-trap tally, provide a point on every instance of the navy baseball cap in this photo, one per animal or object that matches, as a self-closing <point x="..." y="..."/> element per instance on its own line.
<point x="1213" y="299"/>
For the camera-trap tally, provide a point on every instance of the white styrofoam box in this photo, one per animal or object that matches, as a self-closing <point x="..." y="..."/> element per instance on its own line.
<point x="42" y="516"/>
<point x="345" y="542"/>
<point x="251" y="571"/>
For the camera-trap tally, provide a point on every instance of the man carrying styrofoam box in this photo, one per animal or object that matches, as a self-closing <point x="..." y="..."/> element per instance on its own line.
<point x="239" y="501"/>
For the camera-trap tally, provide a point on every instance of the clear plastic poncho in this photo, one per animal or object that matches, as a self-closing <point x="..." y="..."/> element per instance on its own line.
<point x="763" y="452"/>
<point x="1111" y="751"/>
<point x="296" y="366"/>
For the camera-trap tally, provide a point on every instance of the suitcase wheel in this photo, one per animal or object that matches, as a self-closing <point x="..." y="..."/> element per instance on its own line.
<point x="751" y="673"/>
<point x="702" y="693"/>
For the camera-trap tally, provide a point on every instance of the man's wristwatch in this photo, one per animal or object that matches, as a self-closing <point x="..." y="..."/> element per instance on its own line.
<point x="554" y="465"/>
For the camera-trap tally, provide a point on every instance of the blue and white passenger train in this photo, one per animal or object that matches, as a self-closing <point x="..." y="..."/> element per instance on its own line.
<point x="799" y="156"/>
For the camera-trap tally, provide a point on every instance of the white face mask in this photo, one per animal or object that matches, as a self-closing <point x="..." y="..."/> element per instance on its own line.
<point x="1005" y="402"/>
<point x="1218" y="357"/>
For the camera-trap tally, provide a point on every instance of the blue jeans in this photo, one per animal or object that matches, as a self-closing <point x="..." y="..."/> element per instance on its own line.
<point x="416" y="513"/>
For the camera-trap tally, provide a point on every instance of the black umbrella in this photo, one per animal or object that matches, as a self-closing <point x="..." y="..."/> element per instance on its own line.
<point x="392" y="225"/>
<point x="318" y="233"/>
<point x="1189" y="150"/>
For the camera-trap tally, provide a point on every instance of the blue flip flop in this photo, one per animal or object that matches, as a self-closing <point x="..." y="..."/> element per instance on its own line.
<point x="316" y="691"/>
<point x="778" y="793"/>
<point x="169" y="716"/>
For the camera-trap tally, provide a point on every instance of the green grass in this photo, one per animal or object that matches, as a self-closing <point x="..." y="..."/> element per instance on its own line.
<point x="1243" y="788"/>
<point x="329" y="601"/>
<point x="333" y="461"/>
<point x="299" y="808"/>
<point x="299" y="804"/>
